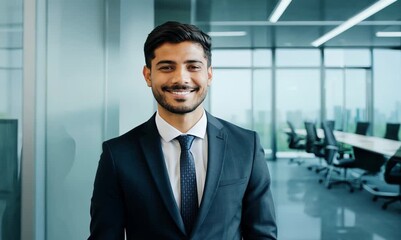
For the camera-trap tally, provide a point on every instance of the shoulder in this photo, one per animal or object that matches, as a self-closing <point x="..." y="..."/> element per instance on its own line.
<point x="231" y="129"/>
<point x="134" y="135"/>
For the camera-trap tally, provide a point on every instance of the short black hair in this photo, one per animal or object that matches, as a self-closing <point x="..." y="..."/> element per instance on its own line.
<point x="176" y="32"/>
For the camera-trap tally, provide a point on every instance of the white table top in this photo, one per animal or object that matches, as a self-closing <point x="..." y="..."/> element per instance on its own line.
<point x="374" y="144"/>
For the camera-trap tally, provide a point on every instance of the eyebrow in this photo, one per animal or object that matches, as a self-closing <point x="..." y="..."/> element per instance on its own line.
<point x="172" y="62"/>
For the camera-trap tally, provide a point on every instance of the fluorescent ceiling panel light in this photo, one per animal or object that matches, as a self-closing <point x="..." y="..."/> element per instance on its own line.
<point x="353" y="21"/>
<point x="227" y="34"/>
<point x="279" y="10"/>
<point x="388" y="34"/>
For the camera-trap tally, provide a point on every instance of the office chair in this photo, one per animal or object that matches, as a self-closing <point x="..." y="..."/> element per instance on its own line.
<point x="392" y="131"/>
<point x="330" y="123"/>
<point x="392" y="176"/>
<point x="295" y="142"/>
<point x="314" y="145"/>
<point x="362" y="128"/>
<point x="369" y="162"/>
<point x="333" y="162"/>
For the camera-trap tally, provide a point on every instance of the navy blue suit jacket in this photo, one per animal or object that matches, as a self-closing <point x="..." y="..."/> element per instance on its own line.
<point x="132" y="190"/>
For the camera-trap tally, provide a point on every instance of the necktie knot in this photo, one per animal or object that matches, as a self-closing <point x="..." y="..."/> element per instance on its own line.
<point x="185" y="141"/>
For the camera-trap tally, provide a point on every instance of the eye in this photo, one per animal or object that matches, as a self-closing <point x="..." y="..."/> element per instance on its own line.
<point x="166" y="68"/>
<point x="194" y="67"/>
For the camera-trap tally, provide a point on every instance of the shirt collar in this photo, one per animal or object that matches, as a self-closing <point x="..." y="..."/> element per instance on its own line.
<point x="168" y="132"/>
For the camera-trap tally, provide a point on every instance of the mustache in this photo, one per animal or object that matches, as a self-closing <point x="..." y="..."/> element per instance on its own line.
<point x="179" y="87"/>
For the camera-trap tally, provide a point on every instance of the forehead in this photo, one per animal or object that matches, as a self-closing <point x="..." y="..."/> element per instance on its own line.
<point x="183" y="50"/>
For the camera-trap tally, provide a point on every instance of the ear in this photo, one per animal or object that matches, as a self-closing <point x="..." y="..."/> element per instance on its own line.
<point x="146" y="75"/>
<point x="209" y="76"/>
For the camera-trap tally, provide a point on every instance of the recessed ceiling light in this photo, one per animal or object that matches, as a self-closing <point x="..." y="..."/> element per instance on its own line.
<point x="279" y="10"/>
<point x="388" y="34"/>
<point x="353" y="21"/>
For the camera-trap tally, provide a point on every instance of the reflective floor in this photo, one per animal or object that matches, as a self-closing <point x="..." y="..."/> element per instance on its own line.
<point x="306" y="210"/>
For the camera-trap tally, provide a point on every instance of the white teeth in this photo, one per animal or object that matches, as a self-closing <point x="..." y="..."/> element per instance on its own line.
<point x="181" y="93"/>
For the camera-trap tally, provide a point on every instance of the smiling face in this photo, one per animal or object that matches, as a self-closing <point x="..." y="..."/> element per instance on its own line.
<point x="179" y="77"/>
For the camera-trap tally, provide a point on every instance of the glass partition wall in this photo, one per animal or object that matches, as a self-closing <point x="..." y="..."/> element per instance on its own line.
<point x="11" y="67"/>
<point x="387" y="93"/>
<point x="241" y="91"/>
<point x="309" y="85"/>
<point x="348" y="87"/>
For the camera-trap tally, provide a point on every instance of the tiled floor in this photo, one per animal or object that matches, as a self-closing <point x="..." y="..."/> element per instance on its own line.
<point x="306" y="210"/>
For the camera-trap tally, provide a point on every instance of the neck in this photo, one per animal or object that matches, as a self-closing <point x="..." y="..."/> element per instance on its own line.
<point x="182" y="122"/>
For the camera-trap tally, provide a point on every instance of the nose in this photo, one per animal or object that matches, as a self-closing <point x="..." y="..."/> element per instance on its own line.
<point x="181" y="75"/>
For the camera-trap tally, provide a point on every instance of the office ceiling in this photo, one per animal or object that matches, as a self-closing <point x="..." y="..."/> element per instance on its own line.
<point x="303" y="22"/>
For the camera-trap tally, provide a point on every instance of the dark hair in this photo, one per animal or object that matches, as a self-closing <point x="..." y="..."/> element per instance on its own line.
<point x="175" y="32"/>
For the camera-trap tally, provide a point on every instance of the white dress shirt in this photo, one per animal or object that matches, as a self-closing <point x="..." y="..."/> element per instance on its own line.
<point x="172" y="150"/>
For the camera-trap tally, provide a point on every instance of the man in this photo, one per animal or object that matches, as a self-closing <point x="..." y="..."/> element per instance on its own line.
<point x="150" y="187"/>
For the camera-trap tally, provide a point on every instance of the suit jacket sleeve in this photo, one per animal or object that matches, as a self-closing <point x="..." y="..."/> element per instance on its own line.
<point x="259" y="221"/>
<point x="107" y="211"/>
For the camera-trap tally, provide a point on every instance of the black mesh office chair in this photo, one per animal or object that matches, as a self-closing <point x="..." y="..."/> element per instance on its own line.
<point x="392" y="176"/>
<point x="392" y="131"/>
<point x="314" y="145"/>
<point x="362" y="128"/>
<point x="333" y="162"/>
<point x="330" y="123"/>
<point x="295" y="142"/>
<point x="369" y="162"/>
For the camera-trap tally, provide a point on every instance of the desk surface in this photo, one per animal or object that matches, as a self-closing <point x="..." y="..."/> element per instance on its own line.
<point x="374" y="144"/>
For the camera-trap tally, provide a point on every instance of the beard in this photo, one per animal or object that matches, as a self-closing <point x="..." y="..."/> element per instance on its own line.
<point x="162" y="101"/>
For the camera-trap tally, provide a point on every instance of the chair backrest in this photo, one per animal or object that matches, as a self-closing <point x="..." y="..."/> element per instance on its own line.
<point x="313" y="143"/>
<point x="362" y="128"/>
<point x="291" y="126"/>
<point x="330" y="143"/>
<point x="392" y="172"/>
<point x="371" y="162"/>
<point x="293" y="138"/>
<point x="392" y="131"/>
<point x="330" y="123"/>
<point x="329" y="137"/>
<point x="8" y="154"/>
<point x="310" y="137"/>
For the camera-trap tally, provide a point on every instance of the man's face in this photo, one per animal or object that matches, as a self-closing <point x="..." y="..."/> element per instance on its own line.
<point x="179" y="77"/>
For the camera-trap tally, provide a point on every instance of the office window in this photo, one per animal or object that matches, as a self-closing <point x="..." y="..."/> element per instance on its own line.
<point x="334" y="89"/>
<point x="387" y="79"/>
<point x="232" y="58"/>
<point x="231" y="96"/>
<point x="262" y="58"/>
<point x="262" y="91"/>
<point x="346" y="91"/>
<point x="297" y="58"/>
<point x="347" y="58"/>
<point x="298" y="99"/>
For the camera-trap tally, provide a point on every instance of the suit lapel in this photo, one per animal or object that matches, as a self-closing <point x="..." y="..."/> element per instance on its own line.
<point x="216" y="153"/>
<point x="151" y="146"/>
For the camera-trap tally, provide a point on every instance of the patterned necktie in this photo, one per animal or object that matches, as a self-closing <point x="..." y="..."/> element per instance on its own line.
<point x="189" y="192"/>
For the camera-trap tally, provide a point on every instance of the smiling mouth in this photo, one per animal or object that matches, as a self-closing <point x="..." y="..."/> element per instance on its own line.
<point x="180" y="90"/>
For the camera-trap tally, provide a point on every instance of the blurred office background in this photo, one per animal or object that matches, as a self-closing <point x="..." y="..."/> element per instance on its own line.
<point x="71" y="77"/>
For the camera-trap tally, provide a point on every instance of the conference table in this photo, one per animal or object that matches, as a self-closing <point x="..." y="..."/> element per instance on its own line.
<point x="386" y="147"/>
<point x="380" y="145"/>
